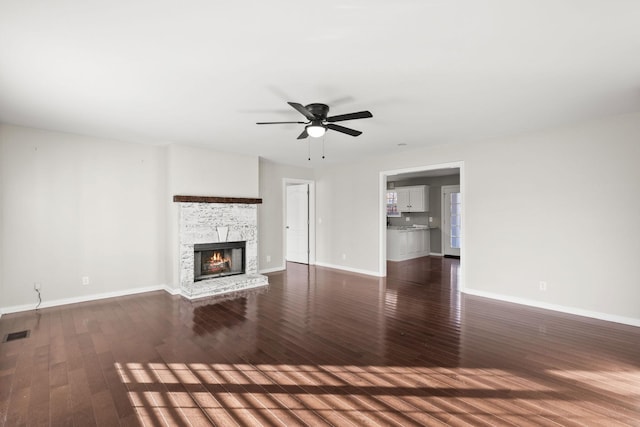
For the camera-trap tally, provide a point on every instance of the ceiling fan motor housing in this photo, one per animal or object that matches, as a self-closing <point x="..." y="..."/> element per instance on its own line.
<point x="319" y="110"/>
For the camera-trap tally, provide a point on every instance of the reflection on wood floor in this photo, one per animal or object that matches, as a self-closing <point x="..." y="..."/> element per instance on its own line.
<point x="319" y="347"/>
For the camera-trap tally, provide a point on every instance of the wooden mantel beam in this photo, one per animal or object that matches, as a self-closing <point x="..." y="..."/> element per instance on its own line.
<point x="208" y="199"/>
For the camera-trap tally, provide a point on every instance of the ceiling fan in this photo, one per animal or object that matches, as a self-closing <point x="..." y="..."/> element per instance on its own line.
<point x="318" y="122"/>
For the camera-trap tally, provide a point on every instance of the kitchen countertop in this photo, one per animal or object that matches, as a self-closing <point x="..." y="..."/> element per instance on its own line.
<point x="407" y="227"/>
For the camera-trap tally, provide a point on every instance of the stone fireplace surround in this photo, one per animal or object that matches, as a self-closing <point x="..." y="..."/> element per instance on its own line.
<point x="202" y="220"/>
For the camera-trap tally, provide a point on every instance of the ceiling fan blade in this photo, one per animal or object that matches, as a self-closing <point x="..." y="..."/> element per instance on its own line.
<point x="279" y="123"/>
<point x="302" y="110"/>
<point x="350" y="116"/>
<point x="343" y="129"/>
<point x="304" y="134"/>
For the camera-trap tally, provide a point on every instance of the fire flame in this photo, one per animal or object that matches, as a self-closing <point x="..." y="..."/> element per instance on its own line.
<point x="217" y="258"/>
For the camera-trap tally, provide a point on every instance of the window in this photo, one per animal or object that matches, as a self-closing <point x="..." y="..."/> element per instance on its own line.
<point x="392" y="204"/>
<point x="455" y="220"/>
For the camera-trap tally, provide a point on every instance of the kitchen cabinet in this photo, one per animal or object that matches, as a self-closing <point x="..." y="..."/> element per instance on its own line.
<point x="415" y="242"/>
<point x="413" y="199"/>
<point x="407" y="243"/>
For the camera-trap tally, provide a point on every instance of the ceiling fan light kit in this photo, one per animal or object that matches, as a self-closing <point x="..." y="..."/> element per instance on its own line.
<point x="315" y="130"/>
<point x="318" y="122"/>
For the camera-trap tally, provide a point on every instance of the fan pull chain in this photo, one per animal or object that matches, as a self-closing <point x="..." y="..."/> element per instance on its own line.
<point x="323" y="137"/>
<point x="309" y="148"/>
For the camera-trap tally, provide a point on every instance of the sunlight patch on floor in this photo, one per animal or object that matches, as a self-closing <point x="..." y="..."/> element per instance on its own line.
<point x="609" y="381"/>
<point x="228" y="394"/>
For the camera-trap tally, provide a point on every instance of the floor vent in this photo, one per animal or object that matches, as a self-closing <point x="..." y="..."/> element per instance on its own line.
<point x="16" y="336"/>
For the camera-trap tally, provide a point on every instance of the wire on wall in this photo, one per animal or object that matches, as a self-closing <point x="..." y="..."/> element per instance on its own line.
<point x="39" y="299"/>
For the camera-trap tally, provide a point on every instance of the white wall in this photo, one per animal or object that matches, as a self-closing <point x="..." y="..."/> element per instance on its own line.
<point x="271" y="211"/>
<point x="195" y="171"/>
<point x="74" y="206"/>
<point x="548" y="203"/>
<point x="347" y="216"/>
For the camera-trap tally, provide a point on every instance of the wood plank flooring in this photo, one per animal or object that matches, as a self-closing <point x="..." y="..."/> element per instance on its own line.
<point x="319" y="347"/>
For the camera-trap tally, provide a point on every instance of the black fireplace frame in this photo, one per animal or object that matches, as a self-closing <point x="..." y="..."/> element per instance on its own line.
<point x="201" y="247"/>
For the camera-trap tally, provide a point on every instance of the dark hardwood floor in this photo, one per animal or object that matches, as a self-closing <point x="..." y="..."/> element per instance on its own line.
<point x="319" y="347"/>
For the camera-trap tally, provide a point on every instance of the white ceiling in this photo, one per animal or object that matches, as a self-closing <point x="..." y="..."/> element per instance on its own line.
<point x="203" y="72"/>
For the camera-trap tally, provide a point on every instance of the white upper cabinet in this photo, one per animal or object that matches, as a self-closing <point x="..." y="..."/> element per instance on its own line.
<point x="413" y="199"/>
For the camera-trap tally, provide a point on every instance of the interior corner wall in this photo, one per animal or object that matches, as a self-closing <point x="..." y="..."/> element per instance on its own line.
<point x="271" y="211"/>
<point x="198" y="171"/>
<point x="76" y="206"/>
<point x="559" y="206"/>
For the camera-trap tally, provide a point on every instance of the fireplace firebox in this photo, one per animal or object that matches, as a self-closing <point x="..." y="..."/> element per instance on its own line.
<point x="212" y="260"/>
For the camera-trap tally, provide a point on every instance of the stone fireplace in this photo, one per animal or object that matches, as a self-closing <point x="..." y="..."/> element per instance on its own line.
<point x="218" y="240"/>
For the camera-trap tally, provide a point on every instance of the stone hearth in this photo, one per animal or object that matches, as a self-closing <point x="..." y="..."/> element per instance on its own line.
<point x="201" y="222"/>
<point x="224" y="285"/>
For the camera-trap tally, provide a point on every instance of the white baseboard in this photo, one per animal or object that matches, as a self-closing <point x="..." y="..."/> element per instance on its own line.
<point x="85" y="298"/>
<point x="523" y="301"/>
<point x="554" y="307"/>
<point x="352" y="270"/>
<point x="172" y="291"/>
<point x="272" y="270"/>
<point x="435" y="254"/>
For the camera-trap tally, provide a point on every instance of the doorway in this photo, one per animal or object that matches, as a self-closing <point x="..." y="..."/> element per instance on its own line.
<point x="299" y="230"/>
<point x="420" y="172"/>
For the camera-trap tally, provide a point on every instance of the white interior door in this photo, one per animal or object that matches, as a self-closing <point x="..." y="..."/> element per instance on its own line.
<point x="451" y="220"/>
<point x="297" y="225"/>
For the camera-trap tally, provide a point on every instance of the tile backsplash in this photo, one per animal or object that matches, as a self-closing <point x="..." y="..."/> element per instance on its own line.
<point x="419" y="218"/>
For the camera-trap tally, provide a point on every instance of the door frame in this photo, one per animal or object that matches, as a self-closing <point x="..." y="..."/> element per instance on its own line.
<point x="442" y="211"/>
<point x="312" y="217"/>
<point x="382" y="214"/>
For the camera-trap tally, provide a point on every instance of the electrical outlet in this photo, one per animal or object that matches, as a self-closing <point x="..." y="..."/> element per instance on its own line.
<point x="37" y="286"/>
<point x="85" y="280"/>
<point x="268" y="258"/>
<point x="344" y="256"/>
<point x="430" y="219"/>
<point x="408" y="218"/>
<point x="543" y="286"/>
